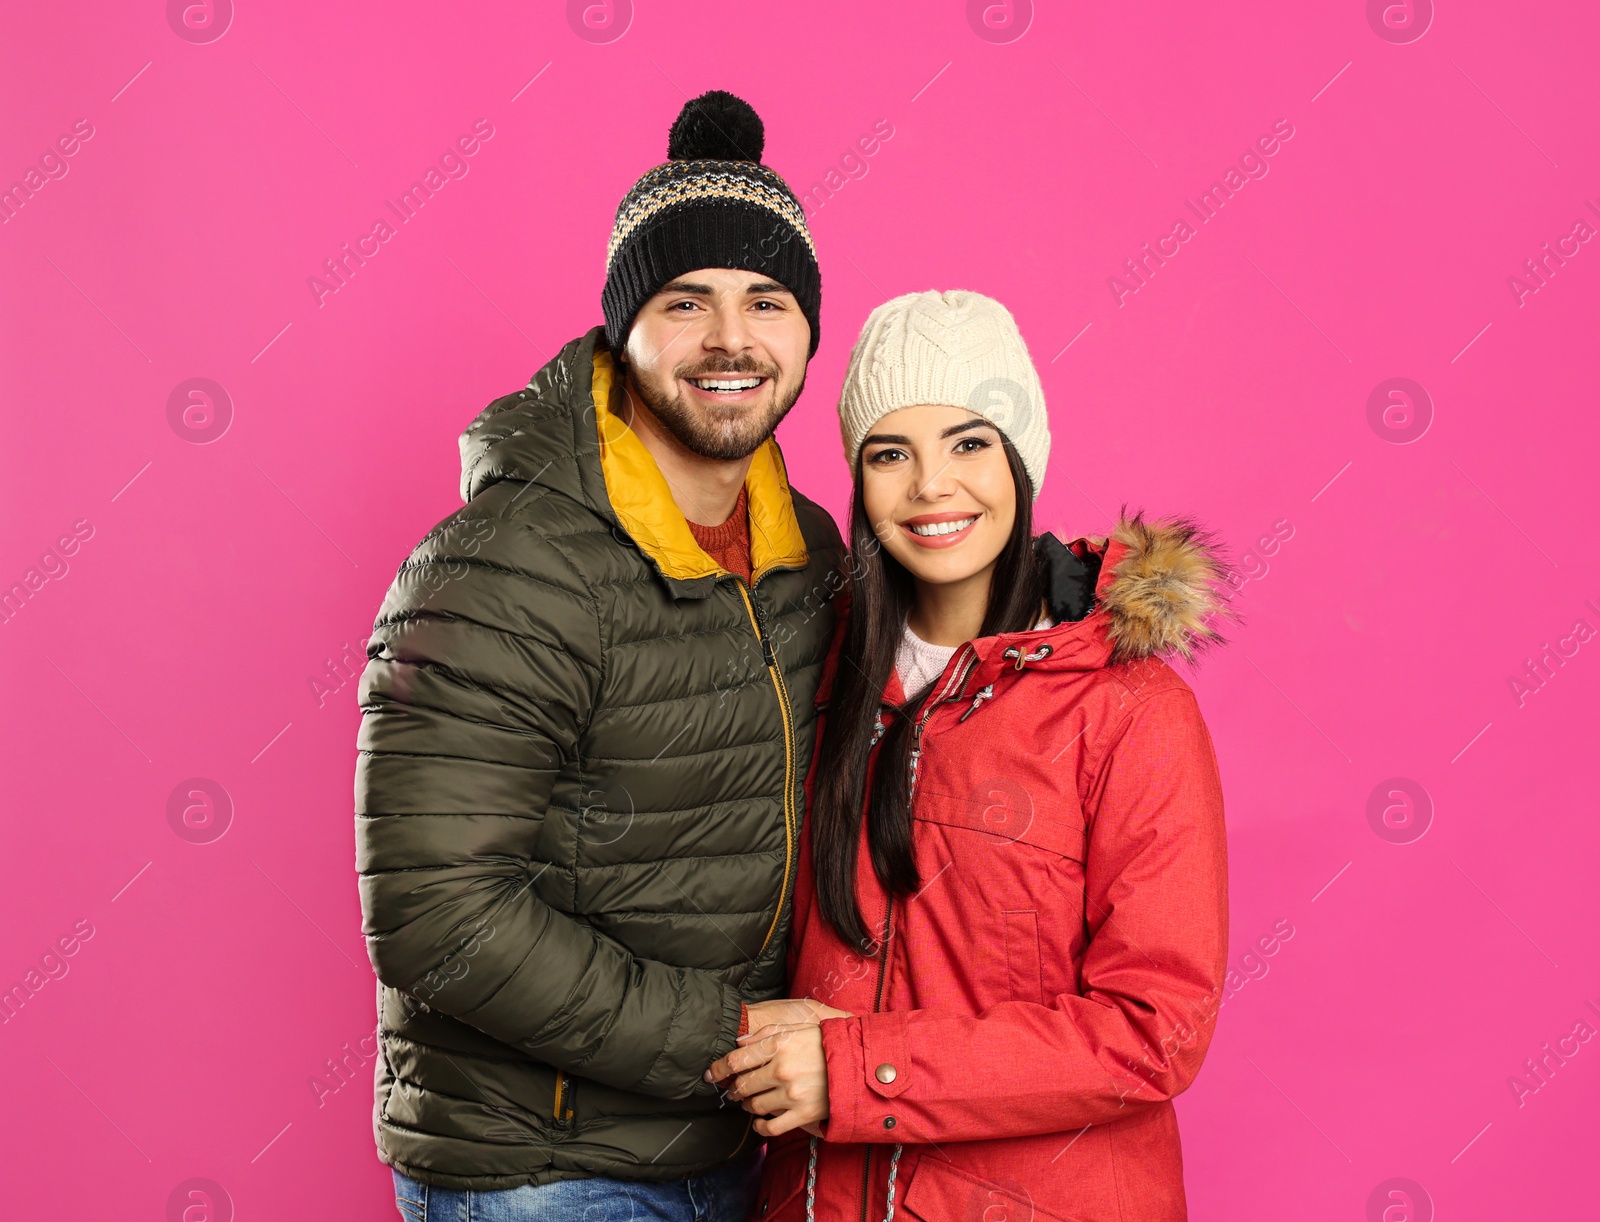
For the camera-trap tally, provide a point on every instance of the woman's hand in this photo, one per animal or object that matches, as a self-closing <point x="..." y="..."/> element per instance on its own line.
<point x="782" y="1076"/>
<point x="789" y="1011"/>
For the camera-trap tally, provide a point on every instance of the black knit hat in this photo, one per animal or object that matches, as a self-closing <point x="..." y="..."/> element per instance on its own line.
<point x="712" y="204"/>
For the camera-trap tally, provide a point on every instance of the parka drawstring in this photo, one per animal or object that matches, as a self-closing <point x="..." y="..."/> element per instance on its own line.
<point x="811" y="1182"/>
<point x="1022" y="659"/>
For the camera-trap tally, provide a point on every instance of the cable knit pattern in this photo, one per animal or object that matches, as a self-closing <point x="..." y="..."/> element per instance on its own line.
<point x="946" y="347"/>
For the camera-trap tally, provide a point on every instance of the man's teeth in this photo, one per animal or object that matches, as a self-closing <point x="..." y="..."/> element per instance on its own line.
<point x="728" y="384"/>
<point x="943" y="528"/>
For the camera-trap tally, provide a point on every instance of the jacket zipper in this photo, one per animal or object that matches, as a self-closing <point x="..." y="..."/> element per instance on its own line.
<point x="758" y="622"/>
<point x="562" y="1110"/>
<point x="563" y="1105"/>
<point x="950" y="691"/>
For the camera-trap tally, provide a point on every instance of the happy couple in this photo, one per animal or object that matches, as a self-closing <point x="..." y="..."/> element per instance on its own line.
<point x="711" y="871"/>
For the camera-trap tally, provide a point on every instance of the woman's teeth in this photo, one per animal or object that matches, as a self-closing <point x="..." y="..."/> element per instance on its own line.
<point x="727" y="384"/>
<point x="943" y="528"/>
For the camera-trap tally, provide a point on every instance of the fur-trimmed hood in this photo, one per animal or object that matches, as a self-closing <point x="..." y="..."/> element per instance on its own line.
<point x="1151" y="589"/>
<point x="1166" y="591"/>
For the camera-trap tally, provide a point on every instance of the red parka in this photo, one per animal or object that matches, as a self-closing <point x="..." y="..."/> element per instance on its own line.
<point x="1023" y="1027"/>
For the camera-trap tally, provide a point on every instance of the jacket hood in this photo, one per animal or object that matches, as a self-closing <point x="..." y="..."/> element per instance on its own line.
<point x="1161" y="586"/>
<point x="533" y="434"/>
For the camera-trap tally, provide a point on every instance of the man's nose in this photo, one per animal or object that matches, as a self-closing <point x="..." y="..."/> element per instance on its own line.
<point x="729" y="331"/>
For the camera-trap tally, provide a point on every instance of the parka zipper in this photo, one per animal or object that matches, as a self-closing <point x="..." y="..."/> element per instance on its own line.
<point x="563" y="1105"/>
<point x="790" y="822"/>
<point x="950" y="691"/>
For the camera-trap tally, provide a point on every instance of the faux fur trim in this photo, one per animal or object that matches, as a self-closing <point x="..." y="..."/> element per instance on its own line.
<point x="1167" y="593"/>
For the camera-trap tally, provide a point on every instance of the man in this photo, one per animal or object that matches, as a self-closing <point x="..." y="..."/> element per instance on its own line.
<point x="587" y="715"/>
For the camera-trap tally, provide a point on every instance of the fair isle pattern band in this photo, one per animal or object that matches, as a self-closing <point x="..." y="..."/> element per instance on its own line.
<point x="679" y="182"/>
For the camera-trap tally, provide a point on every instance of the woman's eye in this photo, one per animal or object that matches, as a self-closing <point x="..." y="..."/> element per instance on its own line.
<point x="976" y="444"/>
<point x="884" y="457"/>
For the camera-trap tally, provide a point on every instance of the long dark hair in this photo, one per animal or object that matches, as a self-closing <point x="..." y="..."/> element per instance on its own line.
<point x="882" y="595"/>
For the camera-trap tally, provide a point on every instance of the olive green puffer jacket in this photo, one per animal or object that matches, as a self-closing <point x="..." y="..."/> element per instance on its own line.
<point x="578" y="797"/>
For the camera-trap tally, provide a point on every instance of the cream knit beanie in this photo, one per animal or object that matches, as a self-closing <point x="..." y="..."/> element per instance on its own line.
<point x="951" y="347"/>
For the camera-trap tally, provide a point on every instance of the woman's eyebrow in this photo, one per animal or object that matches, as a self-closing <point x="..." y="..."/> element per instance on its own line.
<point x="900" y="440"/>
<point x="978" y="423"/>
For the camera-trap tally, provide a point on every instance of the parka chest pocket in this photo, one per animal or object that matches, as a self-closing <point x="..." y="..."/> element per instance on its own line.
<point x="1003" y="809"/>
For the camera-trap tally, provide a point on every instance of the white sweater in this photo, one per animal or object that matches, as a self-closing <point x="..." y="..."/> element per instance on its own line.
<point x="918" y="663"/>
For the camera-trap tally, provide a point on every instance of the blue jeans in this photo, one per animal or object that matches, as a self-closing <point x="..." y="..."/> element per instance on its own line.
<point x="722" y="1195"/>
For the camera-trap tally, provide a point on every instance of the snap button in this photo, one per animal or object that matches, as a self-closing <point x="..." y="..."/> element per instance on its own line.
<point x="888" y="1122"/>
<point x="885" y="1074"/>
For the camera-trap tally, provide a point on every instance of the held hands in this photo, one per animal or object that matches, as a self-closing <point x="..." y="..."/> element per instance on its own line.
<point x="779" y="1072"/>
<point x="790" y="1011"/>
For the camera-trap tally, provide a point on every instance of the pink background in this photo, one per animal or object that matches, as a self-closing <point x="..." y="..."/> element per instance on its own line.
<point x="220" y="579"/>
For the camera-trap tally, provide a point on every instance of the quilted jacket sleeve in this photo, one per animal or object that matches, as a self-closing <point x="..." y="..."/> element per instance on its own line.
<point x="1135" y="1034"/>
<point x="481" y="672"/>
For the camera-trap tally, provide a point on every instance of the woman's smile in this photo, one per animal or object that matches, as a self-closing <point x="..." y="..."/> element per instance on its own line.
<point x="939" y="529"/>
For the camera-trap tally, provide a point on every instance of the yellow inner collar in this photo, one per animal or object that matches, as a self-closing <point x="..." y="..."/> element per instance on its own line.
<point x="643" y="502"/>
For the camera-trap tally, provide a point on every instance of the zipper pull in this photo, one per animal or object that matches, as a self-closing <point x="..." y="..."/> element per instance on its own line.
<point x="984" y="693"/>
<point x="766" y="651"/>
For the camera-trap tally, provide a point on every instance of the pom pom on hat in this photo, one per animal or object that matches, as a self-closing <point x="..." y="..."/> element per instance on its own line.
<point x="716" y="126"/>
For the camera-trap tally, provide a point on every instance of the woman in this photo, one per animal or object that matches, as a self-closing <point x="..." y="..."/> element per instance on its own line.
<point x="1011" y="903"/>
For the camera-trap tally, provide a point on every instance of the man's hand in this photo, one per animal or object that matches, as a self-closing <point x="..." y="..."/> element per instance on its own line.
<point x="782" y="1075"/>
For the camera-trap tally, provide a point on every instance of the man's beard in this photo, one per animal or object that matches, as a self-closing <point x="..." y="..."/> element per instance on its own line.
<point x="725" y="434"/>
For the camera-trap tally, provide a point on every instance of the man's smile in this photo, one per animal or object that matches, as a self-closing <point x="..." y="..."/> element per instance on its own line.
<point x="725" y="387"/>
